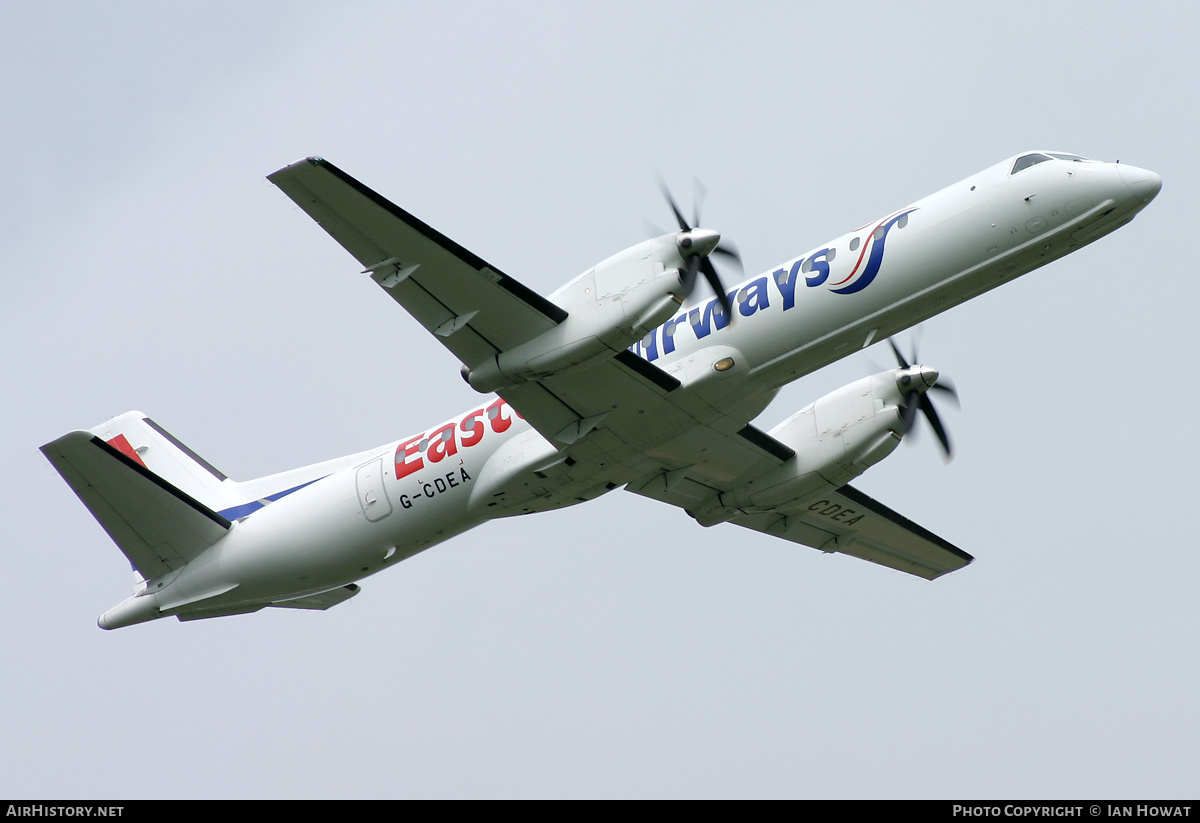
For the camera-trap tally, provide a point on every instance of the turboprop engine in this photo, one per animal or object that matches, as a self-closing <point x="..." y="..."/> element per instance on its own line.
<point x="835" y="439"/>
<point x="612" y="306"/>
<point x="609" y="308"/>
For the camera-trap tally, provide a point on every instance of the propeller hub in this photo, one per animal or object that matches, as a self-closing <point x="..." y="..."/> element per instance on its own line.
<point x="916" y="378"/>
<point x="914" y="383"/>
<point x="695" y="245"/>
<point x="697" y="241"/>
<point x="929" y="376"/>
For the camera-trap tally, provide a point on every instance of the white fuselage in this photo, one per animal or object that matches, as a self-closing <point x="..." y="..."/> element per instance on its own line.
<point x="394" y="501"/>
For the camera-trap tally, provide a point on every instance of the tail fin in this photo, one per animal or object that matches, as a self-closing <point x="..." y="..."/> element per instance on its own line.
<point x="160" y="502"/>
<point x="156" y="498"/>
<point x="145" y="442"/>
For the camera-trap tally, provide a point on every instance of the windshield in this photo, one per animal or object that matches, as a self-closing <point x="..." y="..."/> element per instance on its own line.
<point x="1026" y="160"/>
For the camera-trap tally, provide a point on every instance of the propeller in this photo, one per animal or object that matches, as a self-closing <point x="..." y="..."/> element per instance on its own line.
<point x="915" y="384"/>
<point x="697" y="244"/>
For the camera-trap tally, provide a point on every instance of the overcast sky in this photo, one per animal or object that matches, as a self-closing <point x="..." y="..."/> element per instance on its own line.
<point x="615" y="649"/>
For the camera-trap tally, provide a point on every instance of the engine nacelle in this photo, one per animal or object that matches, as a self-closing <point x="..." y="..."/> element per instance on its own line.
<point x="836" y="439"/>
<point x="609" y="308"/>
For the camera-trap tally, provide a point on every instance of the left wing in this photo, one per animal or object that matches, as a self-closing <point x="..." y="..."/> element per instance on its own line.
<point x="615" y="421"/>
<point x="473" y="308"/>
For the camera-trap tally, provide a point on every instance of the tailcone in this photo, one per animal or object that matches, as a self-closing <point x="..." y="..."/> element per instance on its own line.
<point x="137" y="609"/>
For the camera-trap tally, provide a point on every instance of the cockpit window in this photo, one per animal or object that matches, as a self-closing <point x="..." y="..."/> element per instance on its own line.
<point x="1075" y="158"/>
<point x="1027" y="160"/>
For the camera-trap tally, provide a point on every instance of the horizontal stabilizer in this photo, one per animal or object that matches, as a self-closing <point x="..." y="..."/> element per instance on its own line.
<point x="319" y="602"/>
<point x="158" y="526"/>
<point x="227" y="611"/>
<point x="322" y="601"/>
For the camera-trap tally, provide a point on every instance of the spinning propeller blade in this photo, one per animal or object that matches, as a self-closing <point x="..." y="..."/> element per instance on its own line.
<point x="697" y="245"/>
<point x="916" y="383"/>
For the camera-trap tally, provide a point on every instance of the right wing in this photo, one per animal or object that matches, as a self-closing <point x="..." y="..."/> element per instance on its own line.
<point x="849" y="522"/>
<point x="843" y="520"/>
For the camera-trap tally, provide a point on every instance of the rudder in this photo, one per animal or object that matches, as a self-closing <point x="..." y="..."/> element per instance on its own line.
<point x="145" y="442"/>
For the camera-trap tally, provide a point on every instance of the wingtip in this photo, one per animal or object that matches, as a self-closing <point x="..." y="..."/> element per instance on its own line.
<point x="291" y="168"/>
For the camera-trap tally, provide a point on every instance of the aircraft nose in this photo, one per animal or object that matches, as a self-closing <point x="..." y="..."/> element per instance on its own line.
<point x="1144" y="184"/>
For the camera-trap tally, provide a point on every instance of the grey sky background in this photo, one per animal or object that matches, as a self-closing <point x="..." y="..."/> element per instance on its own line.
<point x="615" y="649"/>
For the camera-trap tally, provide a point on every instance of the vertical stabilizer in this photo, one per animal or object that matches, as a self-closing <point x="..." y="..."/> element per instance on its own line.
<point x="146" y="443"/>
<point x="157" y="499"/>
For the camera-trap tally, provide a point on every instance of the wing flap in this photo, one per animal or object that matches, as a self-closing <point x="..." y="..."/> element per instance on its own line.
<point x="157" y="526"/>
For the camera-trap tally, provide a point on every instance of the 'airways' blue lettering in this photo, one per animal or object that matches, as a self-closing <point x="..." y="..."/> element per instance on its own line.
<point x="786" y="279"/>
<point x="820" y="268"/>
<point x="714" y="314"/>
<point x="753" y="297"/>
<point x="650" y="346"/>
<point x="668" y="333"/>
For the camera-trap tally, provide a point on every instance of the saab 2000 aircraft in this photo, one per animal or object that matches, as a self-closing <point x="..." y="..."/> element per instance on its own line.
<point x="626" y="376"/>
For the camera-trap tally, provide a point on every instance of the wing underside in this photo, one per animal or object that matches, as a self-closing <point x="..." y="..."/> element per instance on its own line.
<point x="843" y="521"/>
<point x="473" y="308"/>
